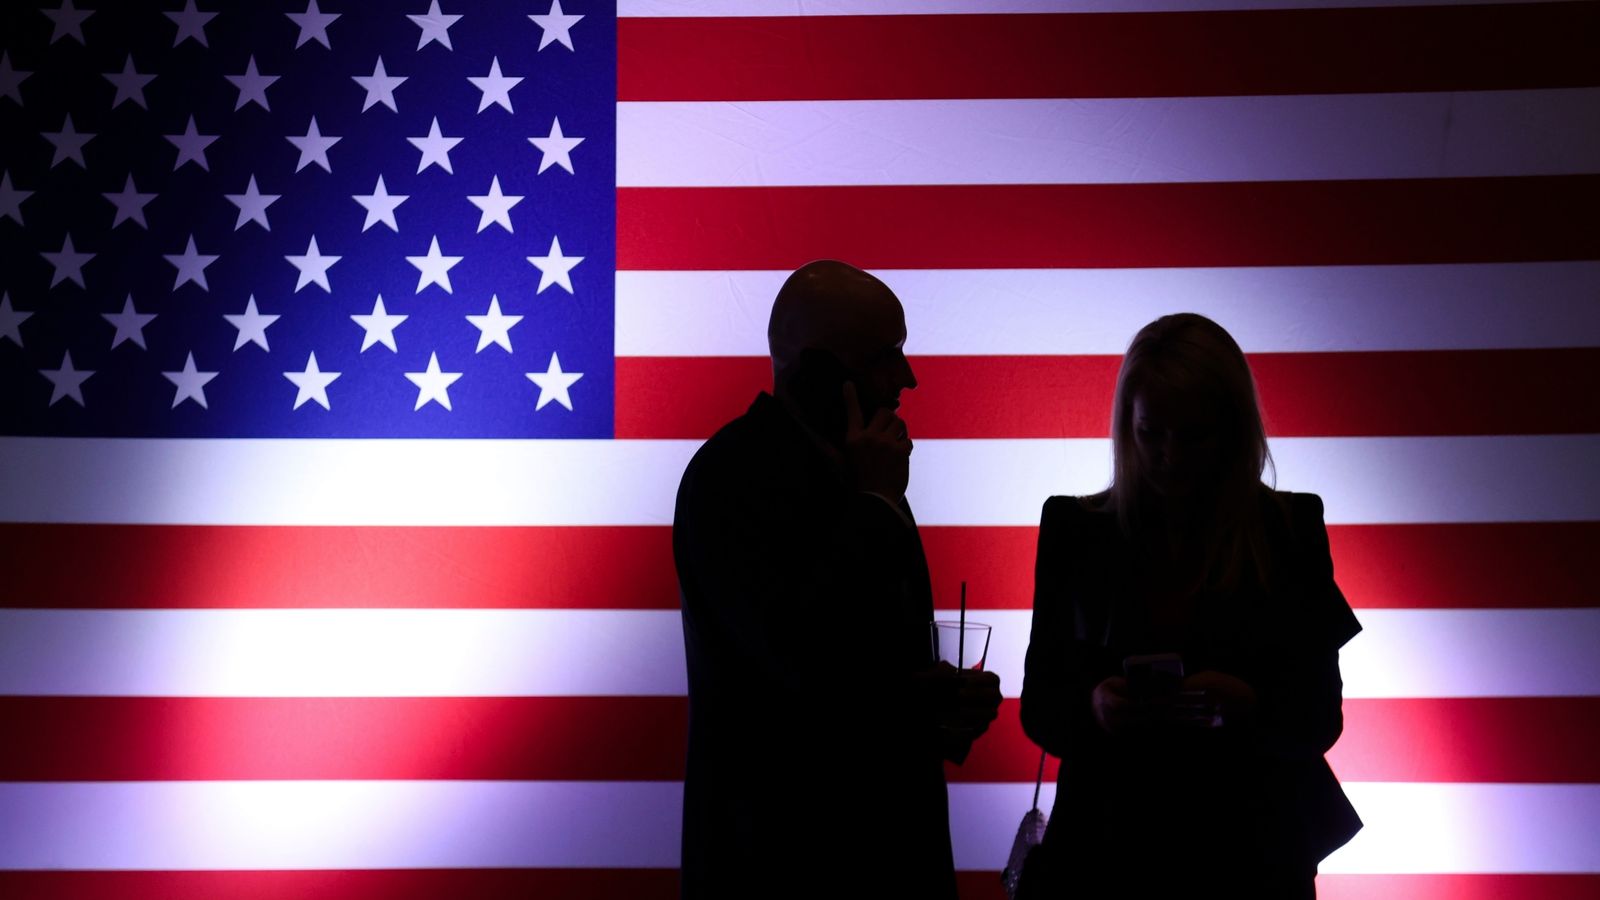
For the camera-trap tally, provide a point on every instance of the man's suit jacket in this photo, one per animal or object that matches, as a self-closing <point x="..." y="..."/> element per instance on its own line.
<point x="812" y="769"/>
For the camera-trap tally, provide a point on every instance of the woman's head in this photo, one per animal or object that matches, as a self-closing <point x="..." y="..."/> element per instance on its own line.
<point x="1186" y="424"/>
<point x="1187" y="432"/>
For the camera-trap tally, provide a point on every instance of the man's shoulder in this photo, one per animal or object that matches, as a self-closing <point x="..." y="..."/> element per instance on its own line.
<point x="739" y="439"/>
<point x="753" y="453"/>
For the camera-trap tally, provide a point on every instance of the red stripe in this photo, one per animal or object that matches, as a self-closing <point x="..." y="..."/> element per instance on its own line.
<point x="1285" y="223"/>
<point x="644" y="739"/>
<point x="1469" y="565"/>
<point x="986" y="886"/>
<point x="1530" y="564"/>
<point x="1458" y="887"/>
<point x="208" y="738"/>
<point x="1435" y="566"/>
<point x="357" y="884"/>
<point x="1500" y="739"/>
<point x="650" y="884"/>
<point x="1522" y="739"/>
<point x="188" y="566"/>
<point x="1411" y="393"/>
<point x="1113" y="55"/>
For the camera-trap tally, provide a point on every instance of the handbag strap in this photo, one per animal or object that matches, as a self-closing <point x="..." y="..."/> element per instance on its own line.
<point x="1039" y="781"/>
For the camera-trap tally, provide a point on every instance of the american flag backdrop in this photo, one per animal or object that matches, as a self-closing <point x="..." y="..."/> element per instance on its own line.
<point x="350" y="354"/>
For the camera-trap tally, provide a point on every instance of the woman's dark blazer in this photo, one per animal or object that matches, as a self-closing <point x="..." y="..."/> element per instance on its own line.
<point x="1283" y="640"/>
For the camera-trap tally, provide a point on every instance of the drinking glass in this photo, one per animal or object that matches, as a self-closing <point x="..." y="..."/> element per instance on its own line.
<point x="963" y="645"/>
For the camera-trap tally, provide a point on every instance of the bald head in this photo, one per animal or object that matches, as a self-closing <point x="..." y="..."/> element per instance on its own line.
<point x="833" y="306"/>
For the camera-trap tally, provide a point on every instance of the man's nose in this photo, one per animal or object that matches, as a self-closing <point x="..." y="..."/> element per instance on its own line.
<point x="908" y="379"/>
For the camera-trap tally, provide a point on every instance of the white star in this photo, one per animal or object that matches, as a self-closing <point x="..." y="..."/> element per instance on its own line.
<point x="190" y="383"/>
<point x="313" y="147"/>
<point x="555" y="147"/>
<point x="435" y="26"/>
<point x="67" y="380"/>
<point x="313" y="266"/>
<point x="191" y="146"/>
<point x="69" y="143"/>
<point x="494" y="327"/>
<point x="432" y="384"/>
<point x="191" y="23"/>
<point x="130" y="84"/>
<point x="191" y="266"/>
<point x="496" y="88"/>
<point x="252" y="326"/>
<point x="557" y="26"/>
<point x="69" y="21"/>
<point x="11" y="199"/>
<point x="496" y="206"/>
<point x="68" y="262"/>
<point x="252" y="205"/>
<point x="553" y="384"/>
<point x="380" y="206"/>
<point x="130" y="204"/>
<point x="555" y="268"/>
<point x="129" y="323"/>
<point x="11" y="321"/>
<point x="11" y="79"/>
<point x="379" y="326"/>
<point x="379" y="86"/>
<point x="313" y="383"/>
<point x="313" y="25"/>
<point x="435" y="148"/>
<point x="434" y="268"/>
<point x="252" y="86"/>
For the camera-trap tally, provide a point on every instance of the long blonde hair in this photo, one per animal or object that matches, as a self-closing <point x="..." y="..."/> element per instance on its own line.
<point x="1192" y="356"/>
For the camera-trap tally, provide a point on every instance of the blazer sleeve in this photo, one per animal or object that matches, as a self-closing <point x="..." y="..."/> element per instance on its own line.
<point x="1301" y="709"/>
<point x="1333" y="622"/>
<point x="1065" y="659"/>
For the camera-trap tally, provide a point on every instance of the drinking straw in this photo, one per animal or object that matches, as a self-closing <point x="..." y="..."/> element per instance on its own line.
<point x="961" y="639"/>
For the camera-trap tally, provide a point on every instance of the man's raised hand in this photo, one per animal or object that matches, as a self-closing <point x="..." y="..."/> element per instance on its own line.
<point x="878" y="452"/>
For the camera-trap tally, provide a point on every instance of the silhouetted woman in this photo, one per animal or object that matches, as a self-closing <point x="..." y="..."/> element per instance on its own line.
<point x="1209" y="780"/>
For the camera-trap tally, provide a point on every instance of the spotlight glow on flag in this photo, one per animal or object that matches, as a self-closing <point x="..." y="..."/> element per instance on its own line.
<point x="350" y="355"/>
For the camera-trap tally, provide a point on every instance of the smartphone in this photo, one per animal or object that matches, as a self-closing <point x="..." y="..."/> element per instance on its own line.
<point x="816" y="385"/>
<point x="1153" y="675"/>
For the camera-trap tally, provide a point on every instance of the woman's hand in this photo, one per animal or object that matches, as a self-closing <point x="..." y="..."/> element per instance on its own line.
<point x="1232" y="699"/>
<point x="1208" y="699"/>
<point x="1113" y="708"/>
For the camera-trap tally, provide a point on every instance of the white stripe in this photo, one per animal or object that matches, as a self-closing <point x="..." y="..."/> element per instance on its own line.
<point x="1471" y="828"/>
<point x="1109" y="141"/>
<point x="966" y="312"/>
<point x="954" y="482"/>
<point x="745" y="8"/>
<point x="1361" y="480"/>
<point x="339" y="824"/>
<point x="498" y="653"/>
<point x="222" y="825"/>
<point x="342" y="653"/>
<point x="1411" y="653"/>
<point x="332" y="482"/>
<point x="1410" y="828"/>
<point x="1473" y="653"/>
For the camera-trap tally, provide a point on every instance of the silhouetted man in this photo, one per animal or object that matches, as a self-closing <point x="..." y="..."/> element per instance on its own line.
<point x="818" y="723"/>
